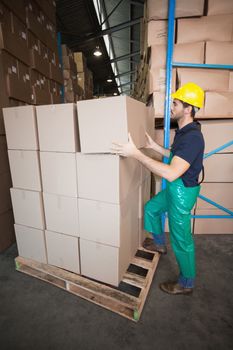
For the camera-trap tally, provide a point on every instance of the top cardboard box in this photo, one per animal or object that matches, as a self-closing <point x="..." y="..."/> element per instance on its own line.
<point x="58" y="127"/>
<point x="21" y="127"/>
<point x="206" y="28"/>
<point x="159" y="9"/>
<point x="107" y="120"/>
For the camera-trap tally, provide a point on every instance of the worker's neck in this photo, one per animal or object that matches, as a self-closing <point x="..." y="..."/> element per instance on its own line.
<point x="182" y="122"/>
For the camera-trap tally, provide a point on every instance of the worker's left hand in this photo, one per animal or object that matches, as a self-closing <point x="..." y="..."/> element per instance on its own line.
<point x="125" y="150"/>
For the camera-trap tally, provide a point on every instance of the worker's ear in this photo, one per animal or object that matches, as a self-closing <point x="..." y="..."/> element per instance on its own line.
<point x="188" y="109"/>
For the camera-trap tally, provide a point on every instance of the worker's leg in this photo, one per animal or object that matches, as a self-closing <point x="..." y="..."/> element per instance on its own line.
<point x="152" y="216"/>
<point x="181" y="200"/>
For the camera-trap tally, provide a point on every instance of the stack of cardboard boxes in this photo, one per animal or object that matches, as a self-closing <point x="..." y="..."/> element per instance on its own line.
<point x="110" y="186"/>
<point x="218" y="182"/>
<point x="78" y="210"/>
<point x="29" y="66"/>
<point x="73" y="91"/>
<point x="85" y="77"/>
<point x="157" y="14"/>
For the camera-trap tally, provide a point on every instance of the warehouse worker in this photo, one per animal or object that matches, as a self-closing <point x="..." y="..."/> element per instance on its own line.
<point x="182" y="187"/>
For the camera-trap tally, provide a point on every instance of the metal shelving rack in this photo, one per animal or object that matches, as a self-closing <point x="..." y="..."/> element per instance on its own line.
<point x="169" y="65"/>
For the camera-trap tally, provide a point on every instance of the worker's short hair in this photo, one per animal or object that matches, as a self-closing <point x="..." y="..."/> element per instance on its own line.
<point x="194" y="109"/>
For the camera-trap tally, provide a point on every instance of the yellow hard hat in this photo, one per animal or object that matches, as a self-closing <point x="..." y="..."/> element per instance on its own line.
<point x="190" y="93"/>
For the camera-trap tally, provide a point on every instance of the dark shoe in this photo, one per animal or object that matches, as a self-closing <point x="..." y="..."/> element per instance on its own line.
<point x="174" y="288"/>
<point x="150" y="244"/>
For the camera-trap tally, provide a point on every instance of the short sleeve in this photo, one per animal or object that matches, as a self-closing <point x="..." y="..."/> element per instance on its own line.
<point x="190" y="147"/>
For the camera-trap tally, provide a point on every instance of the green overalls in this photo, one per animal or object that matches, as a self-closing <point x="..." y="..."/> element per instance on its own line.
<point x="178" y="201"/>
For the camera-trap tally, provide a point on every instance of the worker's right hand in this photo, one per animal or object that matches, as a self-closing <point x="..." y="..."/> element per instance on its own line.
<point x="149" y="142"/>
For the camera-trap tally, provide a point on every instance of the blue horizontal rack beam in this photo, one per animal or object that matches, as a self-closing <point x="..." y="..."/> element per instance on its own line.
<point x="204" y="65"/>
<point x="212" y="216"/>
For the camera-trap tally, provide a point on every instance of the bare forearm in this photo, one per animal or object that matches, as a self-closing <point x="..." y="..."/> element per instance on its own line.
<point x="156" y="167"/>
<point x="161" y="150"/>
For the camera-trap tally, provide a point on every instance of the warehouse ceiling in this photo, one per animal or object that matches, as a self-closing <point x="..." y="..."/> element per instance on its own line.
<point x="79" y="22"/>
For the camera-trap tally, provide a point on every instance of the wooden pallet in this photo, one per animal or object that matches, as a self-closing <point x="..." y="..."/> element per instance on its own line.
<point x="127" y="300"/>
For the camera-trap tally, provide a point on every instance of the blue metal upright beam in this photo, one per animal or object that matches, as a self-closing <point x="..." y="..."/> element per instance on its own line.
<point x="167" y="103"/>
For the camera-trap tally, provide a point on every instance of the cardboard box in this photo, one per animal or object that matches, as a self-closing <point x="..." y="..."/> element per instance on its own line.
<point x="21" y="128"/>
<point x="28" y="208"/>
<point x="5" y="198"/>
<point x="206" y="28"/>
<point x="63" y="251"/>
<point x="7" y="234"/>
<point x="158" y="102"/>
<point x="39" y="58"/>
<point x="4" y="162"/>
<point x="15" y="79"/>
<point x="218" y="104"/>
<point x="13" y="35"/>
<point x="184" y="52"/>
<point x="117" y="223"/>
<point x="56" y="73"/>
<point x="58" y="171"/>
<point x="212" y="226"/>
<point x="189" y="52"/>
<point x="31" y="243"/>
<point x="231" y="82"/>
<point x="216" y="7"/>
<point x="80" y="61"/>
<point x="40" y="88"/>
<point x="35" y="21"/>
<point x="25" y="169"/>
<point x="157" y="32"/>
<point x="58" y="127"/>
<point x="61" y="214"/>
<point x="107" y="120"/>
<point x="157" y="80"/>
<point x="158" y="136"/>
<point x="219" y="168"/>
<point x="17" y="7"/>
<point x="220" y="193"/>
<point x="208" y="79"/>
<point x="144" y="196"/>
<point x="103" y="262"/>
<point x="49" y="8"/>
<point x="55" y="92"/>
<point x="216" y="133"/>
<point x="69" y="63"/>
<point x="219" y="52"/>
<point x="159" y="9"/>
<point x="115" y="177"/>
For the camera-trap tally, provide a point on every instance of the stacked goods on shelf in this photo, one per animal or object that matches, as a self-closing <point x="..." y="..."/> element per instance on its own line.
<point x="73" y="91"/>
<point x="218" y="182"/>
<point x="157" y="32"/>
<point x="62" y="216"/>
<point x="29" y="65"/>
<point x="216" y="30"/>
<point x="84" y="75"/>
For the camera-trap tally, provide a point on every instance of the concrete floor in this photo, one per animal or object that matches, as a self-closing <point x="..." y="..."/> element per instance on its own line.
<point x="35" y="315"/>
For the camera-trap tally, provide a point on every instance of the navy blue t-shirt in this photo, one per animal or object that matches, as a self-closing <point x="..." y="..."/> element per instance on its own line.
<point x="189" y="145"/>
